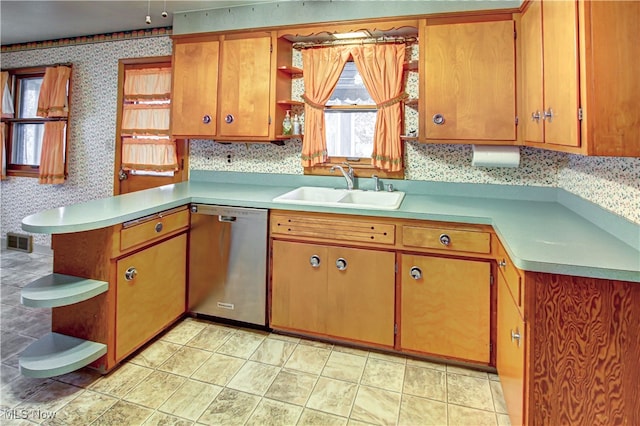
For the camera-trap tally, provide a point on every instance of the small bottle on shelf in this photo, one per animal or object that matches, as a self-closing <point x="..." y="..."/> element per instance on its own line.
<point x="296" y="125"/>
<point x="286" y="124"/>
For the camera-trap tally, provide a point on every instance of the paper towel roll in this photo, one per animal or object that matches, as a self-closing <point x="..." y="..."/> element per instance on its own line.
<point x="495" y="156"/>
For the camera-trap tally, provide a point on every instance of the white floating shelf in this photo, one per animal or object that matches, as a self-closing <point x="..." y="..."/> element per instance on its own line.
<point x="55" y="354"/>
<point x="55" y="290"/>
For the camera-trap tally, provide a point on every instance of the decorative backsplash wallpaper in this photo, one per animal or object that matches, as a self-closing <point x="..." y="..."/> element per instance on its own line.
<point x="613" y="183"/>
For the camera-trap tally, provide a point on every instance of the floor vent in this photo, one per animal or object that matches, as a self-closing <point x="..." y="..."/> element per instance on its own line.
<point x="20" y="242"/>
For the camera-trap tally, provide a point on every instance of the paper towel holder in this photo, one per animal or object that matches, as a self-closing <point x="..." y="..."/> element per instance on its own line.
<point x="496" y="156"/>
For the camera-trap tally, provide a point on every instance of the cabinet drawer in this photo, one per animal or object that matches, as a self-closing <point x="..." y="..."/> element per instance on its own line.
<point x="446" y="239"/>
<point x="152" y="227"/>
<point x="333" y="229"/>
<point x="511" y="276"/>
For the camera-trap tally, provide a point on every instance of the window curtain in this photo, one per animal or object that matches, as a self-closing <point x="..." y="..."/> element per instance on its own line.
<point x="380" y="66"/>
<point x="53" y="102"/>
<point x="145" y="121"/>
<point x="6" y="110"/>
<point x="322" y="69"/>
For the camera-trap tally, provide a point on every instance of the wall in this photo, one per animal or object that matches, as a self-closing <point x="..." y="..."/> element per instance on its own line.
<point x="613" y="183"/>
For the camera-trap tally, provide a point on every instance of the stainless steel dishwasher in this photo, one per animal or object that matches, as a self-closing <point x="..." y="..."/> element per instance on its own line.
<point x="228" y="263"/>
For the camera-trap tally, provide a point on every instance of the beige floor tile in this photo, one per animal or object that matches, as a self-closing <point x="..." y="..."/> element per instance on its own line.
<point x="383" y="374"/>
<point x="84" y="409"/>
<point x="123" y="413"/>
<point x="211" y="337"/>
<point x="273" y="351"/>
<point x="82" y="378"/>
<point x="467" y="372"/>
<point x="318" y="418"/>
<point x="230" y="407"/>
<point x="218" y="369"/>
<point x="50" y="397"/>
<point x="241" y="344"/>
<point x="425" y="383"/>
<point x="153" y="391"/>
<point x="503" y="419"/>
<point x="332" y="396"/>
<point x="352" y="351"/>
<point x="377" y="406"/>
<point x="274" y="413"/>
<point x="353" y="422"/>
<point x="156" y="353"/>
<point x="254" y="377"/>
<point x="185" y="361"/>
<point x="494" y="376"/>
<point x="184" y="331"/>
<point x="498" y="397"/>
<point x="465" y="416"/>
<point x="7" y="374"/>
<point x="344" y="366"/>
<point x="426" y="364"/>
<point x="119" y="382"/>
<point x="424" y="412"/>
<point x="309" y="359"/>
<point x="19" y="390"/>
<point x="388" y="357"/>
<point x="469" y="391"/>
<point x="191" y="399"/>
<point x="161" y="419"/>
<point x="316" y="344"/>
<point x="292" y="387"/>
<point x="284" y="337"/>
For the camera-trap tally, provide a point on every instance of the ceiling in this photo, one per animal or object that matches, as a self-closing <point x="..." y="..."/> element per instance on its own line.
<point x="27" y="20"/>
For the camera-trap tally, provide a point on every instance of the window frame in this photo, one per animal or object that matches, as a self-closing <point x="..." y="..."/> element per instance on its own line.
<point x="15" y="77"/>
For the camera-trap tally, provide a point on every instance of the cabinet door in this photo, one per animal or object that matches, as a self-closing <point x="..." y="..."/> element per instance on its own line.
<point x="470" y="81"/>
<point x="561" y="79"/>
<point x="153" y="298"/>
<point x="298" y="288"/>
<point x="510" y="352"/>
<point x="446" y="307"/>
<point x="361" y="296"/>
<point x="531" y="51"/>
<point x="245" y="82"/>
<point x="195" y="88"/>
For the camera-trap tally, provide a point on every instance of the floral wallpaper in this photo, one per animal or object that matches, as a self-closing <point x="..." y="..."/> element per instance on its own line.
<point x="613" y="183"/>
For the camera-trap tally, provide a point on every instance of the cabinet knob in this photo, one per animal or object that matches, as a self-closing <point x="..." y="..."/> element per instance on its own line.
<point x="502" y="263"/>
<point x="158" y="227"/>
<point x="438" y="119"/>
<point x="515" y="335"/>
<point x="416" y="273"/>
<point x="535" y="116"/>
<point x="315" y="261"/>
<point x="341" y="264"/>
<point x="206" y="119"/>
<point x="548" y="115"/>
<point x="130" y="273"/>
<point x="229" y="119"/>
<point x="445" y="240"/>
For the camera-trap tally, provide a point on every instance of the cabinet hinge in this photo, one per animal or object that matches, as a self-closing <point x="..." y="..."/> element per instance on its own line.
<point x="490" y="279"/>
<point x="396" y="268"/>
<point x="271" y="48"/>
<point x="490" y="347"/>
<point x="516" y="120"/>
<point x="515" y="34"/>
<point x="579" y="113"/>
<point x="269" y="120"/>
<point x="395" y="328"/>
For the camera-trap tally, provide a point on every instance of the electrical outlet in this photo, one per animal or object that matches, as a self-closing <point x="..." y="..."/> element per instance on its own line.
<point x="228" y="158"/>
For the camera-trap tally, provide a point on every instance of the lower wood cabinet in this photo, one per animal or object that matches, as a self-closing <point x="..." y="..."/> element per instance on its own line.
<point x="334" y="291"/>
<point x="445" y="307"/>
<point x="151" y="292"/>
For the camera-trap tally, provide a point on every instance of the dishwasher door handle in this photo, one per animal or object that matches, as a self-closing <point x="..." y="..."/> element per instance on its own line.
<point x="222" y="218"/>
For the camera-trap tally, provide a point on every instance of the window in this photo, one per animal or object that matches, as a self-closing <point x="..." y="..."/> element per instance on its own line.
<point x="24" y="128"/>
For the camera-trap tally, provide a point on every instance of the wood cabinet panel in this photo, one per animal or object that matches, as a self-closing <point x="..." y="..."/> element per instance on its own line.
<point x="153" y="228"/>
<point x="532" y="80"/>
<point x="447" y="310"/>
<point x="446" y="239"/>
<point x="154" y="298"/>
<point x="470" y="80"/>
<point x="194" y="93"/>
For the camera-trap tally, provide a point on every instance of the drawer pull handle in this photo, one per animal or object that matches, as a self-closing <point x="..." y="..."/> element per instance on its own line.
<point x="438" y="119"/>
<point x="130" y="273"/>
<point x="502" y="263"/>
<point x="229" y="119"/>
<point x="515" y="335"/>
<point x="445" y="240"/>
<point x="341" y="264"/>
<point x="315" y="261"/>
<point x="416" y="273"/>
<point x="158" y="227"/>
<point x="206" y="119"/>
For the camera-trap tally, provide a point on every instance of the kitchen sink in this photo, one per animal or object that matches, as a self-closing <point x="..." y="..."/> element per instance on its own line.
<point x="342" y="198"/>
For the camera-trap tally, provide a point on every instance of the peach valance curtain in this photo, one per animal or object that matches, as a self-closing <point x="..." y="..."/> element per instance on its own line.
<point x="322" y="69"/>
<point x="53" y="102"/>
<point x="380" y="66"/>
<point x="145" y="125"/>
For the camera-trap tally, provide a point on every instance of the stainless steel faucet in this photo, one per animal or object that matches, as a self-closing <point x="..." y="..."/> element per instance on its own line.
<point x="376" y="182"/>
<point x="348" y="175"/>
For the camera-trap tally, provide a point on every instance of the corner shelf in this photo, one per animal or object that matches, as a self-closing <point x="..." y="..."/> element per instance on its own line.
<point x="289" y="102"/>
<point x="290" y="70"/>
<point x="55" y="290"/>
<point x="55" y="354"/>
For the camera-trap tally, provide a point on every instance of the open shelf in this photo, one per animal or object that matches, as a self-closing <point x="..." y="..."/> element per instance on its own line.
<point x="55" y="354"/>
<point x="55" y="290"/>
<point x="290" y="70"/>
<point x="289" y="102"/>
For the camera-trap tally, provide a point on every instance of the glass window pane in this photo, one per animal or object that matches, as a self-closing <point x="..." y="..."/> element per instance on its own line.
<point x="27" y="144"/>
<point x="350" y="89"/>
<point x="29" y="92"/>
<point x="350" y="132"/>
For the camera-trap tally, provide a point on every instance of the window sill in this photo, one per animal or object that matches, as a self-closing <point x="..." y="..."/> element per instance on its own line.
<point x="361" y="169"/>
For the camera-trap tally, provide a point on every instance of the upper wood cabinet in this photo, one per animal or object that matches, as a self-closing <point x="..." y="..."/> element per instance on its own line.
<point x="580" y="64"/>
<point x="467" y="80"/>
<point x="194" y="96"/>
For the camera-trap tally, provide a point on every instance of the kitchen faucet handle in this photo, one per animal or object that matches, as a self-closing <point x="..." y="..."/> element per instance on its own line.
<point x="350" y="168"/>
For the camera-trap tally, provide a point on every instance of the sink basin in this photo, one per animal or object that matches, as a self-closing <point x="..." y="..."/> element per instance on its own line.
<point x="342" y="198"/>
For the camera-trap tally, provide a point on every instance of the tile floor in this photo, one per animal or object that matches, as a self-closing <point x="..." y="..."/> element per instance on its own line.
<point x="200" y="372"/>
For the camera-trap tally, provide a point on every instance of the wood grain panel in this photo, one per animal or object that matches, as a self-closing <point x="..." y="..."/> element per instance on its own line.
<point x="462" y="241"/>
<point x="531" y="50"/>
<point x="586" y="351"/>
<point x="147" y="231"/>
